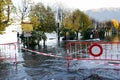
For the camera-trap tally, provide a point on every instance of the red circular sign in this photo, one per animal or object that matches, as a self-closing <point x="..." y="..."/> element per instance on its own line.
<point x="96" y="50"/>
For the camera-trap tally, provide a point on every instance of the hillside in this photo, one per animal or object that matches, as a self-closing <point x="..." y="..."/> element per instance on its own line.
<point x="104" y="14"/>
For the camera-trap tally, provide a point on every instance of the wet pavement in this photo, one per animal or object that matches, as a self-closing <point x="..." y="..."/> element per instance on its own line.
<point x="39" y="67"/>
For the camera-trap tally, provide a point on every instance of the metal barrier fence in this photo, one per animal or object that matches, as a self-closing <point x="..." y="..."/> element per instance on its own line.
<point x="88" y="52"/>
<point x="107" y="51"/>
<point x="8" y="51"/>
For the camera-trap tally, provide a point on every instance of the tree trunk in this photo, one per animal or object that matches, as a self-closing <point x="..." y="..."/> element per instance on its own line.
<point x="22" y="17"/>
<point x="8" y="13"/>
<point x="76" y="35"/>
<point x="44" y="42"/>
<point x="38" y="43"/>
<point x="58" y="32"/>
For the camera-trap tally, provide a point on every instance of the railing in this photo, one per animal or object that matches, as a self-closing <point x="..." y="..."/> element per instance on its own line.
<point x="107" y="51"/>
<point x="8" y="52"/>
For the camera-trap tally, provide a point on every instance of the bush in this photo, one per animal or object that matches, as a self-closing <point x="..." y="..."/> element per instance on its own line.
<point x="102" y="33"/>
<point x="86" y="33"/>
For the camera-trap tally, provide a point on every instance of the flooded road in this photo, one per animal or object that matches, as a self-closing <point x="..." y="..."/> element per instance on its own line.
<point x="39" y="67"/>
<point x="51" y="70"/>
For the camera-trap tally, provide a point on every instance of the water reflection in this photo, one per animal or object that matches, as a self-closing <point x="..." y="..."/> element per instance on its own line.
<point x="33" y="60"/>
<point x="3" y="69"/>
<point x="112" y="38"/>
<point x="116" y="38"/>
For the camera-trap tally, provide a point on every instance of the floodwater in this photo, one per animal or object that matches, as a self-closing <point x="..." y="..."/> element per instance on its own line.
<point x="39" y="67"/>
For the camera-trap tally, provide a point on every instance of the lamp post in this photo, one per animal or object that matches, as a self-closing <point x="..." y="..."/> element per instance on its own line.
<point x="59" y="23"/>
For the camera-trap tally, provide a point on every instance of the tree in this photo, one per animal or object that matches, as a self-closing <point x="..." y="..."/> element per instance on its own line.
<point x="43" y="20"/>
<point x="77" y="21"/>
<point x="119" y="28"/>
<point x="108" y="27"/>
<point x="115" y="23"/>
<point x="37" y="36"/>
<point x="48" y="21"/>
<point x="4" y="14"/>
<point x="22" y="10"/>
<point x="67" y="34"/>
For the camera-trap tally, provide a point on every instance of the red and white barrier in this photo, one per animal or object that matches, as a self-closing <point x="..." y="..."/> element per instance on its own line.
<point x="105" y="51"/>
<point x="116" y="64"/>
<point x="8" y="51"/>
<point x="41" y="53"/>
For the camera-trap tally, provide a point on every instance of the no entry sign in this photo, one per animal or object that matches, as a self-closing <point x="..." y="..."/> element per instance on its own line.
<point x="96" y="50"/>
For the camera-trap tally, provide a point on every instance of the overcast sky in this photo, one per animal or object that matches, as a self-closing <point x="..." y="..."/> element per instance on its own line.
<point x="82" y="4"/>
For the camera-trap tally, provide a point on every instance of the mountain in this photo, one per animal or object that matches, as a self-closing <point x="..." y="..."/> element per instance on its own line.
<point x="104" y="14"/>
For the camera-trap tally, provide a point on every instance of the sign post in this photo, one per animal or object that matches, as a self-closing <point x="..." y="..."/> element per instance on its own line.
<point x="27" y="28"/>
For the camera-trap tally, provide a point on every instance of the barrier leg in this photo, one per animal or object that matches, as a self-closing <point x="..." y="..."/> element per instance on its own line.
<point x="15" y="57"/>
<point x="68" y="65"/>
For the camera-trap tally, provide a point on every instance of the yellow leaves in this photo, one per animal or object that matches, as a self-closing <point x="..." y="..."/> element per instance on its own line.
<point x="2" y="27"/>
<point x="8" y="2"/>
<point x="69" y="22"/>
<point x="2" y="17"/>
<point x="4" y="14"/>
<point x="2" y="3"/>
<point x="115" y="23"/>
<point x="116" y="39"/>
<point x="76" y="21"/>
<point x="35" y="21"/>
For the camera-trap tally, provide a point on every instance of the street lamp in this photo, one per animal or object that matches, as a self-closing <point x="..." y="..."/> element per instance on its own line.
<point x="59" y="23"/>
